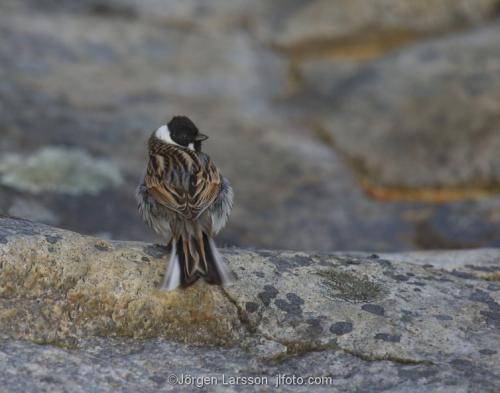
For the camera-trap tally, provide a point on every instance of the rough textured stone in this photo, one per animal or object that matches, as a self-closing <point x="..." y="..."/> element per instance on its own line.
<point x="321" y="20"/>
<point x="77" y="286"/>
<point x="486" y="263"/>
<point x="426" y="116"/>
<point x="106" y="365"/>
<point x="58" y="287"/>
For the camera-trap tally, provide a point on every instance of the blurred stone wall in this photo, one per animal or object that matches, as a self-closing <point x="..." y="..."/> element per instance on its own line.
<point x="342" y="124"/>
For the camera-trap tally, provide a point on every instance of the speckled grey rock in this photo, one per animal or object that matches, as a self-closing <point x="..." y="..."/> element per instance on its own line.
<point x="110" y="365"/>
<point x="366" y="320"/>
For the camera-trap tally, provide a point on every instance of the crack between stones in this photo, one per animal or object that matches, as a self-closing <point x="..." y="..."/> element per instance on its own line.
<point x="297" y="348"/>
<point x="245" y="323"/>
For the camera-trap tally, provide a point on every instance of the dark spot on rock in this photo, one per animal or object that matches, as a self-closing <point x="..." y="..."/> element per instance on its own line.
<point x="282" y="264"/>
<point x="282" y="304"/>
<point x="427" y="266"/>
<point x="385" y="263"/>
<point x="374" y="256"/>
<point x="323" y="259"/>
<point x="443" y="317"/>
<point x="484" y="297"/>
<point x="290" y="308"/>
<point x="462" y="364"/>
<point x="410" y="274"/>
<point x="473" y="371"/>
<point x="407" y="315"/>
<point x="265" y="253"/>
<point x="157" y="251"/>
<point x="414" y="373"/>
<point x="480" y="296"/>
<point x="294" y="298"/>
<point x="396" y="277"/>
<point x="340" y="328"/>
<point x="322" y="254"/>
<point x="492" y="318"/>
<point x="286" y="263"/>
<point x="49" y="379"/>
<point x="52" y="239"/>
<point x="301" y="260"/>
<point x="158" y="379"/>
<point x="259" y="274"/>
<point x="101" y="246"/>
<point x="464" y="275"/>
<point x="373" y="309"/>
<point x="314" y="328"/>
<point x="417" y="289"/>
<point x="487" y="351"/>
<point x="51" y="249"/>
<point x="391" y="338"/>
<point x="417" y="283"/>
<point x="348" y="262"/>
<point x="486" y="269"/>
<point x="268" y="294"/>
<point x="145" y="259"/>
<point x="493" y="287"/>
<point x="251" y="306"/>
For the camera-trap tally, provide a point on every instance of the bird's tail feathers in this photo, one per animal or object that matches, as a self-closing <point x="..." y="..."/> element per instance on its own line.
<point x="193" y="258"/>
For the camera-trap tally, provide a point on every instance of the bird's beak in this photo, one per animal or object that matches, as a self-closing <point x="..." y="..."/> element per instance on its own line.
<point x="200" y="137"/>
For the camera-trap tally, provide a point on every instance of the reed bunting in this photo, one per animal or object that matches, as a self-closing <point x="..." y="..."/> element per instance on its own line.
<point x="185" y="199"/>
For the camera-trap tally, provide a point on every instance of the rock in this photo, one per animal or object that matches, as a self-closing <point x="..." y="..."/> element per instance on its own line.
<point x="356" y="20"/>
<point x="379" y="315"/>
<point x="66" y="297"/>
<point x="108" y="365"/>
<point x="486" y="264"/>
<point x="406" y="121"/>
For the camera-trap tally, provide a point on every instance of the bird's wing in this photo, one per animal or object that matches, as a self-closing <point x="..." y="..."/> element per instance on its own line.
<point x="182" y="180"/>
<point x="222" y="206"/>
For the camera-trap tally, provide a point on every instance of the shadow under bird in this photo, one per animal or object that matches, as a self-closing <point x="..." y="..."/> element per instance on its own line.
<point x="184" y="198"/>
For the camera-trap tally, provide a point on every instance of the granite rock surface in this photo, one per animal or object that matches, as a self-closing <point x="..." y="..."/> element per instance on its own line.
<point x="397" y="321"/>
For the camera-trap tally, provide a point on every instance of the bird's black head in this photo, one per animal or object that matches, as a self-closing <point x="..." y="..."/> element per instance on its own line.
<point x="184" y="132"/>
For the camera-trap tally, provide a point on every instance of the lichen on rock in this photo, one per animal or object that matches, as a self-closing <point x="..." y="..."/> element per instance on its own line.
<point x="55" y="169"/>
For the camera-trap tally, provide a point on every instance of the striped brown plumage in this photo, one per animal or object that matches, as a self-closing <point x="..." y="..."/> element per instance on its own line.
<point x="184" y="197"/>
<point x="181" y="179"/>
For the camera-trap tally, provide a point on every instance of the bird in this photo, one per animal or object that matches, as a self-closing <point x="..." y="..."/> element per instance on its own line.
<point x="184" y="198"/>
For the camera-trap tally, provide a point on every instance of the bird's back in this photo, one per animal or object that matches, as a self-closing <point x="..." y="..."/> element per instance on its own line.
<point x="181" y="179"/>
